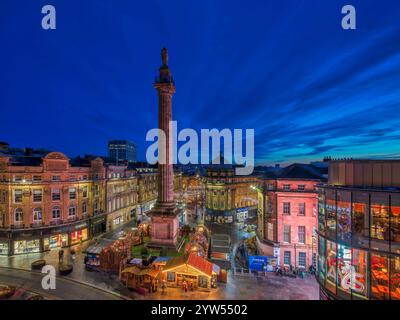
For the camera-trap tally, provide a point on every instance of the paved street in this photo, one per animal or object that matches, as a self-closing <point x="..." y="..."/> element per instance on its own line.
<point x="270" y="287"/>
<point x="98" y="279"/>
<point x="65" y="288"/>
<point x="76" y="284"/>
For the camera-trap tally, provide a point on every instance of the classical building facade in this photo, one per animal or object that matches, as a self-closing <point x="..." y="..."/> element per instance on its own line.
<point x="122" y="196"/>
<point x="49" y="202"/>
<point x="359" y="231"/>
<point x="287" y="216"/>
<point x="228" y="196"/>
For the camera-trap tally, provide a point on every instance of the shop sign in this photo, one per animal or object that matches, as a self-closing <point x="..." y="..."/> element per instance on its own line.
<point x="80" y="226"/>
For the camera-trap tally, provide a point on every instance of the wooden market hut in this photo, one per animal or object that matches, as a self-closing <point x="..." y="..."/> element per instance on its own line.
<point x="191" y="268"/>
<point x="136" y="277"/>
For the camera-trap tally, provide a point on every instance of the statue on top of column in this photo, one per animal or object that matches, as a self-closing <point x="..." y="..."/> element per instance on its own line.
<point x="164" y="56"/>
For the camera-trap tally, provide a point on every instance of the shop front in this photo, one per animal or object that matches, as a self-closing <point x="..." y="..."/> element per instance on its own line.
<point x="55" y="241"/>
<point x="4" y="244"/>
<point x="79" y="234"/>
<point x="220" y="216"/>
<point x="4" y="248"/>
<point x="26" y="246"/>
<point x="98" y="225"/>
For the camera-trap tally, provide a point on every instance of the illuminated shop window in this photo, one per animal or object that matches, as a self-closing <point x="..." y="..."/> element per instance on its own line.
<point x="330" y="213"/>
<point x="395" y="223"/>
<point x="395" y="278"/>
<point x="360" y="219"/>
<point x="380" y="232"/>
<point x="331" y="263"/>
<point x="344" y="217"/>
<point x="321" y="259"/>
<point x="379" y="276"/>
<point x="26" y="246"/>
<point x="359" y="273"/>
<point x="344" y="270"/>
<point x="321" y="213"/>
<point x="3" y="248"/>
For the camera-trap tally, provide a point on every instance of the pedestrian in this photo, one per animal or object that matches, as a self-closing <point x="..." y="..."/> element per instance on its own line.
<point x="60" y="255"/>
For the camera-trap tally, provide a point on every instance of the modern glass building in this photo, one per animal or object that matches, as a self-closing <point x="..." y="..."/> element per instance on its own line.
<point x="359" y="231"/>
<point x="121" y="151"/>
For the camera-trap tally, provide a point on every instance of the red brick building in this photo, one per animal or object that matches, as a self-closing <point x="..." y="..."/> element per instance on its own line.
<point x="49" y="201"/>
<point x="287" y="215"/>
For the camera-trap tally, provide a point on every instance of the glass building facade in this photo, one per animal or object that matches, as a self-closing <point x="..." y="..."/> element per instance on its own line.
<point x="359" y="243"/>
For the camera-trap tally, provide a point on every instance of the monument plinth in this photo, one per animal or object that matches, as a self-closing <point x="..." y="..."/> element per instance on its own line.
<point x="164" y="215"/>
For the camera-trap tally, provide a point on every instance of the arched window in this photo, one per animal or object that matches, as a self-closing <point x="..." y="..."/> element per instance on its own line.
<point x="71" y="211"/>
<point x="56" y="213"/>
<point x="37" y="214"/>
<point x="19" y="215"/>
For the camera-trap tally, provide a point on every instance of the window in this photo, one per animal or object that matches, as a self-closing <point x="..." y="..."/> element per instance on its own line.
<point x="270" y="186"/>
<point x="19" y="215"/>
<point x="37" y="178"/>
<point x="301" y="187"/>
<point x="56" y="178"/>
<point x="360" y="219"/>
<point x="359" y="273"/>
<point x="286" y="208"/>
<point x="3" y="196"/>
<point x="395" y="278"/>
<point x="84" y="191"/>
<point x="71" y="211"/>
<point x="72" y="193"/>
<point x="321" y="259"/>
<point x="203" y="281"/>
<point x="84" y="208"/>
<point x="18" y="178"/>
<point x="302" y="234"/>
<point x="286" y="187"/>
<point x="379" y="218"/>
<point x="37" y="215"/>
<point x="344" y="216"/>
<point x="379" y="277"/>
<point x="302" y="209"/>
<point x="330" y="283"/>
<point x="95" y="207"/>
<point x="55" y="195"/>
<point x="331" y="213"/>
<point x="96" y="190"/>
<point x="302" y="259"/>
<point x="287" y="258"/>
<point x="17" y="195"/>
<point x="286" y="233"/>
<point x="85" y="177"/>
<point x="56" y="213"/>
<point x="72" y="178"/>
<point x="170" y="276"/>
<point x="37" y="195"/>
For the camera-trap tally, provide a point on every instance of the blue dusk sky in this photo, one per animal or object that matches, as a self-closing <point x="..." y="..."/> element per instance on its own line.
<point x="283" y="67"/>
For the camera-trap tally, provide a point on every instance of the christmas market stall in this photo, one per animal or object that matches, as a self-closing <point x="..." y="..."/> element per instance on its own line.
<point x="190" y="271"/>
<point x="139" y="278"/>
